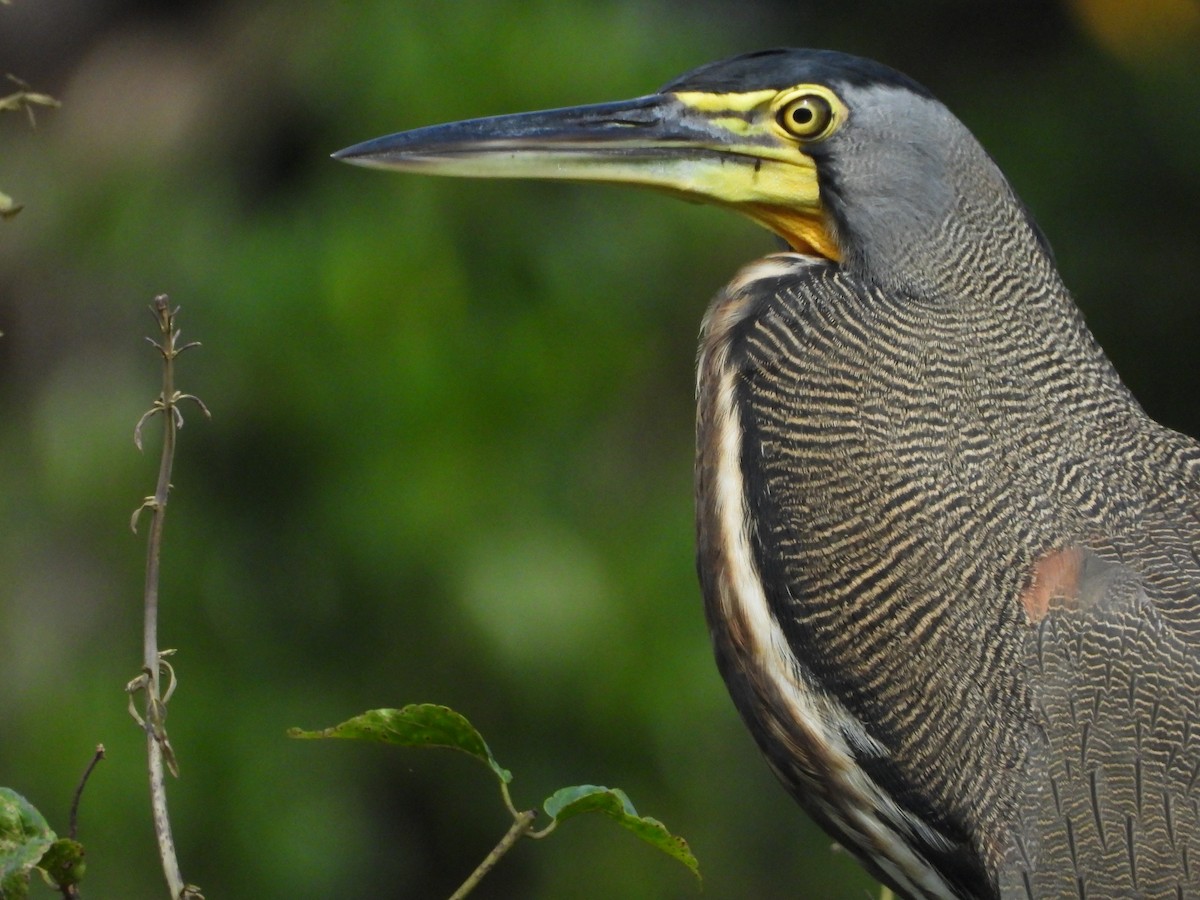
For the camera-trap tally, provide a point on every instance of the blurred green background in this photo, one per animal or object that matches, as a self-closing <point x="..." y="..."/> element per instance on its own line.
<point x="450" y="454"/>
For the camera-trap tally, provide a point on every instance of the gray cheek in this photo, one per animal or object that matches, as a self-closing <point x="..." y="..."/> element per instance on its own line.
<point x="902" y="169"/>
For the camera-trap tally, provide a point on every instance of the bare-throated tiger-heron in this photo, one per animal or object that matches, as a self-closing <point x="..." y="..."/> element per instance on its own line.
<point x="950" y="567"/>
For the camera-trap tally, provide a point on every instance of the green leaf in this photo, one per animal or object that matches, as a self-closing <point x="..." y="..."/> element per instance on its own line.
<point x="613" y="802"/>
<point x="417" y="725"/>
<point x="24" y="837"/>
<point x="63" y="863"/>
<point x="15" y="886"/>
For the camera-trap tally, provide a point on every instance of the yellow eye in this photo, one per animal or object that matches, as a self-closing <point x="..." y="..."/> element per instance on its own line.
<point x="808" y="117"/>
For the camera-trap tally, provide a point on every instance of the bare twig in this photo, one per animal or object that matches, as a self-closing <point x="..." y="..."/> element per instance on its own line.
<point x="69" y="888"/>
<point x="158" y="746"/>
<point x="87" y="773"/>
<point x="521" y="825"/>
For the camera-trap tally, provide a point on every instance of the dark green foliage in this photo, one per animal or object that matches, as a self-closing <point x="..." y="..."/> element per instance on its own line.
<point x="63" y="862"/>
<point x="418" y="725"/>
<point x="612" y="802"/>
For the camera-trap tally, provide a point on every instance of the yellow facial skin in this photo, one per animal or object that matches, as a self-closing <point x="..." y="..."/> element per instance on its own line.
<point x="743" y="151"/>
<point x="781" y="192"/>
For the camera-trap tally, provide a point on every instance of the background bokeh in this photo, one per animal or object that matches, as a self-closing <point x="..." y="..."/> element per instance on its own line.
<point x="450" y="453"/>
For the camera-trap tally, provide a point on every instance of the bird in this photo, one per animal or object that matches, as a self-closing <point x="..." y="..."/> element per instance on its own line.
<point x="950" y="567"/>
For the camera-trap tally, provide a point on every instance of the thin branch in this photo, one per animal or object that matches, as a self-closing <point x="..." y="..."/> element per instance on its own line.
<point x="155" y="712"/>
<point x="158" y="746"/>
<point x="87" y="773"/>
<point x="522" y="824"/>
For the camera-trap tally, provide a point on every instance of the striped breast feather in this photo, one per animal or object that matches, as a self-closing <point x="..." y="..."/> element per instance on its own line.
<point x="894" y="472"/>
<point x="821" y="749"/>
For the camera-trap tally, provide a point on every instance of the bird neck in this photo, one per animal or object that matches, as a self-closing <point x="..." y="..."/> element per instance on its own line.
<point x="983" y="250"/>
<point x="921" y="210"/>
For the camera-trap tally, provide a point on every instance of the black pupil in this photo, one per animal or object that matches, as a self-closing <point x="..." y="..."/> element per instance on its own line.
<point x="803" y="115"/>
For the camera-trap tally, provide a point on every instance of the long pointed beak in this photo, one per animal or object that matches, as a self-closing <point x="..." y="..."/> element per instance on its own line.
<point x="651" y="140"/>
<point x="657" y="141"/>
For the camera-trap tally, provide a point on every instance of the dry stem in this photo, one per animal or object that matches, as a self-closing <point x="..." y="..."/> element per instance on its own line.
<point x="158" y="747"/>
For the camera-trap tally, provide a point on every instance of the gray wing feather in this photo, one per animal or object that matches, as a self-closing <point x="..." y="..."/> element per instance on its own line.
<point x="1109" y="806"/>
